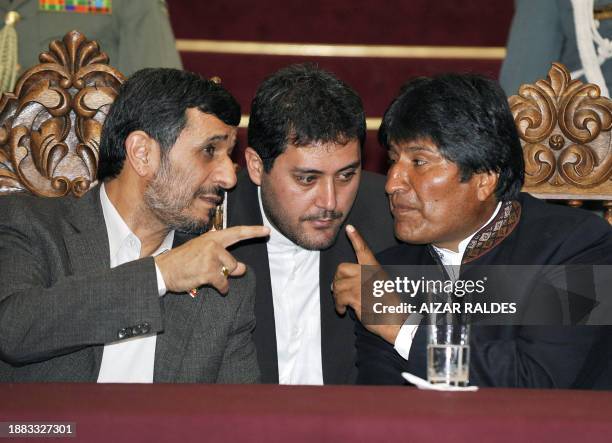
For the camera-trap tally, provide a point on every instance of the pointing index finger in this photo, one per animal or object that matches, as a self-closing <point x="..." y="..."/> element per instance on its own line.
<point x="235" y="234"/>
<point x="365" y="256"/>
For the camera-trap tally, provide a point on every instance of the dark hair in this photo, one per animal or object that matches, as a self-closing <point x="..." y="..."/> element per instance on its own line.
<point x="155" y="101"/>
<point x="300" y="105"/>
<point x="468" y="118"/>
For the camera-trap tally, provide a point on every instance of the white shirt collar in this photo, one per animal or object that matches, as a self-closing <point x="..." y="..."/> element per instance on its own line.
<point x="449" y="257"/>
<point x="119" y="232"/>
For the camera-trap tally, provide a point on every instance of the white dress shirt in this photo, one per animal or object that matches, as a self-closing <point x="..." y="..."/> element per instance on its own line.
<point x="294" y="275"/>
<point x="130" y="360"/>
<point x="451" y="260"/>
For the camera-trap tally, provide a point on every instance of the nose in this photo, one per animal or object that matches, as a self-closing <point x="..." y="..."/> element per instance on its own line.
<point x="225" y="173"/>
<point x="397" y="179"/>
<point x="326" y="195"/>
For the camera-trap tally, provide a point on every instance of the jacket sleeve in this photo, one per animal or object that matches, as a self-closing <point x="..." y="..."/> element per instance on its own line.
<point x="45" y="311"/>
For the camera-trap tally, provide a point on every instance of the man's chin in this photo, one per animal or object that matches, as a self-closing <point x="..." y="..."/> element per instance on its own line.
<point x="318" y="241"/>
<point x="191" y="226"/>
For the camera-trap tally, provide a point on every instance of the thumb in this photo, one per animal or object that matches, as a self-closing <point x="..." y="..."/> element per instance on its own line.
<point x="362" y="251"/>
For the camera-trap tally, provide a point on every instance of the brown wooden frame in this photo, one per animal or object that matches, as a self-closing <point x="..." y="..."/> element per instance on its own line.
<point x="50" y="125"/>
<point x="565" y="129"/>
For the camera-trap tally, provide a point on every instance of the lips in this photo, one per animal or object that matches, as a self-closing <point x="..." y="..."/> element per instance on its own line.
<point x="213" y="200"/>
<point x="400" y="208"/>
<point x="323" y="223"/>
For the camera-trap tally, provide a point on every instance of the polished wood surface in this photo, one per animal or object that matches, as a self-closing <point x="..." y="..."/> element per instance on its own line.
<point x="565" y="129"/>
<point x="50" y="125"/>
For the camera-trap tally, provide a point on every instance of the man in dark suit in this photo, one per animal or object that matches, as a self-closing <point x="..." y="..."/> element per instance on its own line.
<point x="454" y="187"/>
<point x="96" y="289"/>
<point x="304" y="180"/>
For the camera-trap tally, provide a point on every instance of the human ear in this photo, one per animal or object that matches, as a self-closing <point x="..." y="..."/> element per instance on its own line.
<point x="139" y="147"/>
<point x="254" y="165"/>
<point x="486" y="182"/>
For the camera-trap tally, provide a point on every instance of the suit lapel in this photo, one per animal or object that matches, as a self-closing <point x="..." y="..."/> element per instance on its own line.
<point x="243" y="209"/>
<point x="179" y="311"/>
<point x="336" y="331"/>
<point x="87" y="244"/>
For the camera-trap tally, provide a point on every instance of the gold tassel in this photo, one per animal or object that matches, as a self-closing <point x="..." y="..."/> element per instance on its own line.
<point x="8" y="52"/>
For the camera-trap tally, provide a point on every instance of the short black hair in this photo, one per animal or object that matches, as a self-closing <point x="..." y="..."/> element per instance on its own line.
<point x="155" y="100"/>
<point x="300" y="105"/>
<point x="468" y="118"/>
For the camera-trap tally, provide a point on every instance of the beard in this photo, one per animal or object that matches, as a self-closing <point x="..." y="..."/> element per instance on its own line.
<point x="168" y="197"/>
<point x="275" y="215"/>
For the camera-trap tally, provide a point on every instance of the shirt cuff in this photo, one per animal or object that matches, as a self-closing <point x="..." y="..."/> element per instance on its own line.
<point x="403" y="341"/>
<point x="161" y="284"/>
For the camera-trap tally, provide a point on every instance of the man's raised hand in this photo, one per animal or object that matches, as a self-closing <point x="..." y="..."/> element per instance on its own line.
<point x="347" y="285"/>
<point x="202" y="260"/>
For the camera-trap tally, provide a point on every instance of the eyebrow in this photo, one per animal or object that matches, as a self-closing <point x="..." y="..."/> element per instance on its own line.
<point x="417" y="148"/>
<point x="353" y="165"/>
<point x="215" y="138"/>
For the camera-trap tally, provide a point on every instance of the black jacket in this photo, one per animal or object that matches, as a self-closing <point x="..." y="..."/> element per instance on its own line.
<point x="515" y="356"/>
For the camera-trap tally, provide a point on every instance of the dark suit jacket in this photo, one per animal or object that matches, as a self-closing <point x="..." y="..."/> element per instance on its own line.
<point x="371" y="216"/>
<point x="515" y="356"/>
<point x="60" y="303"/>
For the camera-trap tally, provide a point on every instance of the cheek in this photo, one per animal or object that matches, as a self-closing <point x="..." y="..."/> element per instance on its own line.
<point x="345" y="195"/>
<point x="288" y="201"/>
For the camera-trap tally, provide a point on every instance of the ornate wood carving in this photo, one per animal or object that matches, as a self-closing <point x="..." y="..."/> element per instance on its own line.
<point x="50" y="125"/>
<point x="565" y="129"/>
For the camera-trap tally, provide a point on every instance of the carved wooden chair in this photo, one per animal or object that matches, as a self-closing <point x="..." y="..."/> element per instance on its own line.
<point x="565" y="127"/>
<point x="50" y="125"/>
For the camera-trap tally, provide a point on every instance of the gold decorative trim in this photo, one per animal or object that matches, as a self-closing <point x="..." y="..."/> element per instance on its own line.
<point x="372" y="124"/>
<point x="333" y="50"/>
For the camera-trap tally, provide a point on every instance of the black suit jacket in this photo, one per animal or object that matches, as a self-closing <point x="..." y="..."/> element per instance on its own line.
<point x="371" y="216"/>
<point x="515" y="356"/>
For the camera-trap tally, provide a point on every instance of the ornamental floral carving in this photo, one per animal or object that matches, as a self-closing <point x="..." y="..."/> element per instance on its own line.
<point x="564" y="126"/>
<point x="50" y="125"/>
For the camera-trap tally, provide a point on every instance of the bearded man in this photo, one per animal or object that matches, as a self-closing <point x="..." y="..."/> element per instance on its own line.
<point x="304" y="181"/>
<point x="104" y="288"/>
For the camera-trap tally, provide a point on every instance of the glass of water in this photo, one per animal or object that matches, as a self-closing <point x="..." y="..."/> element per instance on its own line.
<point x="448" y="354"/>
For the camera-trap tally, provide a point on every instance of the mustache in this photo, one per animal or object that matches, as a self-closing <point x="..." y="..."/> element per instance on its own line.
<point x="326" y="215"/>
<point x="207" y="191"/>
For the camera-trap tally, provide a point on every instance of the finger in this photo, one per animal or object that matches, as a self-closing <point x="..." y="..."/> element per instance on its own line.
<point x="348" y="286"/>
<point x="239" y="270"/>
<point x="220" y="283"/>
<point x="235" y="234"/>
<point x="340" y="307"/>
<point x="347" y="270"/>
<point x="235" y="268"/>
<point x="362" y="251"/>
<point x="346" y="298"/>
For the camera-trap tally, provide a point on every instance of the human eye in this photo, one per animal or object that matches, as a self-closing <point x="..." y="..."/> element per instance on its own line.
<point x="209" y="150"/>
<point x="305" y="179"/>
<point x="346" y="176"/>
<point x="418" y="162"/>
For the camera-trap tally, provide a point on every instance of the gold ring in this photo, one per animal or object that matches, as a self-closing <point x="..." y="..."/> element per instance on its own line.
<point x="225" y="271"/>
